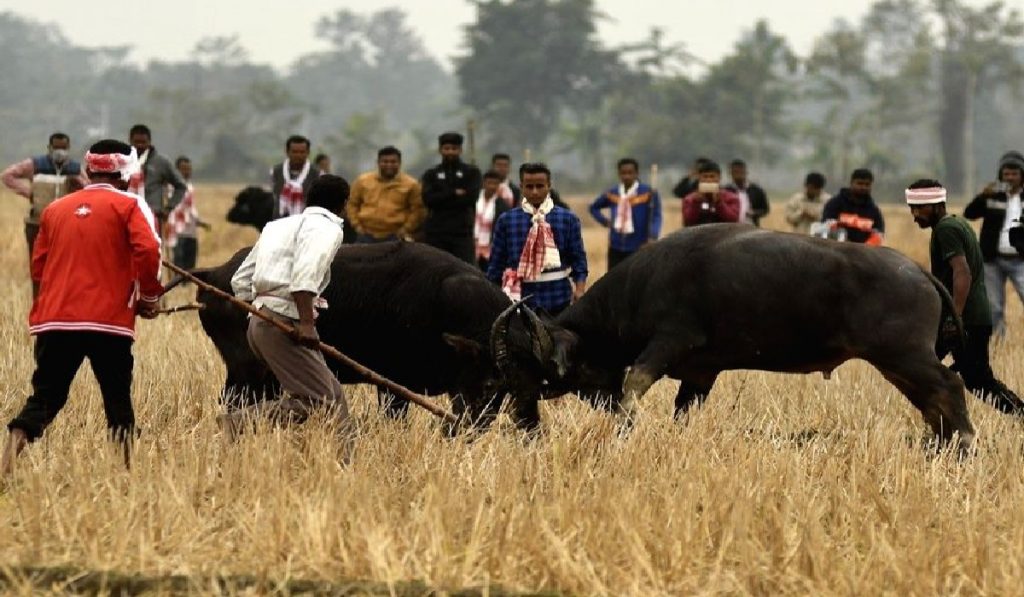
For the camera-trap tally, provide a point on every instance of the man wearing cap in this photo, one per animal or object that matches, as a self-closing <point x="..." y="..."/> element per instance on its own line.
<point x="999" y="204"/>
<point x="94" y="269"/>
<point x="450" y="192"/>
<point x="43" y="179"/>
<point x="957" y="262"/>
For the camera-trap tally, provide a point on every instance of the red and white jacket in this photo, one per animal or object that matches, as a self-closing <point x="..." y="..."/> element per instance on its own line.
<point x="95" y="255"/>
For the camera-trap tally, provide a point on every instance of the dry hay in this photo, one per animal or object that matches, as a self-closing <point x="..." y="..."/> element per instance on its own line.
<point x="780" y="484"/>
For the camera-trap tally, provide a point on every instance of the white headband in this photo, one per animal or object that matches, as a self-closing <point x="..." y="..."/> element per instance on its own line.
<point x="926" y="196"/>
<point x="119" y="163"/>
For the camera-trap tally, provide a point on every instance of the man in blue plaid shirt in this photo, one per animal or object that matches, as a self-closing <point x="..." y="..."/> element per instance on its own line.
<point x="537" y="248"/>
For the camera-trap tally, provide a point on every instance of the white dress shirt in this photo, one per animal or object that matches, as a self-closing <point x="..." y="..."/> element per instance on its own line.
<point x="293" y="254"/>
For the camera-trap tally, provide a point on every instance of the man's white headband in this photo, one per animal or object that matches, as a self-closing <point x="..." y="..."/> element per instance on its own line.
<point x="926" y="196"/>
<point x="125" y="165"/>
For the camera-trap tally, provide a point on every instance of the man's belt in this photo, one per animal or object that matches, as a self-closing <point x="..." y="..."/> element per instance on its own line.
<point x="551" y="276"/>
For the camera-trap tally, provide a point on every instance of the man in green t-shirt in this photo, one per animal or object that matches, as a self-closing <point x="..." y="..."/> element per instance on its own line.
<point x="957" y="263"/>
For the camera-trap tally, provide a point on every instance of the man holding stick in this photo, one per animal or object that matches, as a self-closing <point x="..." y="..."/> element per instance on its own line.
<point x="94" y="268"/>
<point x="283" y="276"/>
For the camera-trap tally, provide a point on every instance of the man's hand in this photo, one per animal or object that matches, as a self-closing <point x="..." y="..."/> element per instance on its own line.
<point x="205" y="225"/>
<point x="578" y="289"/>
<point x="306" y="335"/>
<point x="147" y="309"/>
<point x="460" y="192"/>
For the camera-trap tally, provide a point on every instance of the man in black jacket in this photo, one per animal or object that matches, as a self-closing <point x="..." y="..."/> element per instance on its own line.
<point x="450" y="192"/>
<point x="855" y="211"/>
<point x="753" y="199"/>
<point x="1000" y="207"/>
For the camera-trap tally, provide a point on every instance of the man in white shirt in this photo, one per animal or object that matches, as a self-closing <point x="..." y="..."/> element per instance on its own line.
<point x="283" y="276"/>
<point x="999" y="206"/>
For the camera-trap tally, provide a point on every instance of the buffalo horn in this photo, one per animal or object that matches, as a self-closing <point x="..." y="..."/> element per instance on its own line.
<point x="499" y="336"/>
<point x="543" y="344"/>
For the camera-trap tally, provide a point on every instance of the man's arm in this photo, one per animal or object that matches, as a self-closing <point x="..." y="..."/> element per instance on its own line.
<point x="879" y="220"/>
<point x="597" y="206"/>
<point x="578" y="258"/>
<point x="728" y="207"/>
<point x="436" y="193"/>
<point x="417" y="211"/>
<point x="961" y="282"/>
<point x="795" y="210"/>
<point x="40" y="251"/>
<point x="18" y="177"/>
<point x="758" y="201"/>
<point x="173" y="178"/>
<point x="315" y="248"/>
<point x="145" y="247"/>
<point x="975" y="209"/>
<point x="691" y="209"/>
<point x="241" y="281"/>
<point x="499" y="251"/>
<point x="355" y="202"/>
<point x="655" y="229"/>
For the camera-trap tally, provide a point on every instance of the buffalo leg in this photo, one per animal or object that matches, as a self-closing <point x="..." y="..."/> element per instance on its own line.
<point x="526" y="413"/>
<point x="693" y="392"/>
<point x="647" y="369"/>
<point x="936" y="391"/>
<point x="393" y="407"/>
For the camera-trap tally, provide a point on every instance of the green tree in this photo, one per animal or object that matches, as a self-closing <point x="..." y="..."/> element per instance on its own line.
<point x="531" y="61"/>
<point x="978" y="56"/>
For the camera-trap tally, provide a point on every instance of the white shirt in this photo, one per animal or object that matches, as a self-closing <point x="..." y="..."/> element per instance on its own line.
<point x="293" y="254"/>
<point x="1013" y="212"/>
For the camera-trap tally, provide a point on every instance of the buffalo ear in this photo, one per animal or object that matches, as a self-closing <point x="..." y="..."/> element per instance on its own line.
<point x="463" y="345"/>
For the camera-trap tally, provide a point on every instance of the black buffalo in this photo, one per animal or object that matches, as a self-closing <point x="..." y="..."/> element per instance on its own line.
<point x="254" y="206"/>
<point x="727" y="296"/>
<point x="412" y="313"/>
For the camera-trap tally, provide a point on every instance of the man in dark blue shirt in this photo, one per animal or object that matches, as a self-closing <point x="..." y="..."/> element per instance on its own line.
<point x="854" y="210"/>
<point x="537" y="248"/>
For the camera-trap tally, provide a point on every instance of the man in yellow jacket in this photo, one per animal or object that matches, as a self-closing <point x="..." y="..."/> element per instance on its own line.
<point x="386" y="204"/>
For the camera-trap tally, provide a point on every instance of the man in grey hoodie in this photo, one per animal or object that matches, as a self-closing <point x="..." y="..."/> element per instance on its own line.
<point x="154" y="175"/>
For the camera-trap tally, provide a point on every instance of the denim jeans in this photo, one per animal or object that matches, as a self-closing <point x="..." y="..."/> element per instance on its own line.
<point x="997" y="272"/>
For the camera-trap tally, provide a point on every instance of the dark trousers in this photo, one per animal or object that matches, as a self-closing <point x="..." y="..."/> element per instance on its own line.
<point x="186" y="251"/>
<point x="972" y="363"/>
<point x="616" y="257"/>
<point x="58" y="357"/>
<point x="463" y="248"/>
<point x="31" y="232"/>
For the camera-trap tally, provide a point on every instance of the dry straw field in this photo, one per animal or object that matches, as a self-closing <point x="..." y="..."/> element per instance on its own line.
<point x="780" y="484"/>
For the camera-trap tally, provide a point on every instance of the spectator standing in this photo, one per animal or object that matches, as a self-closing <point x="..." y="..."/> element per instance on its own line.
<point x="386" y="204"/>
<point x="804" y="208"/>
<point x="999" y="206"/>
<point x="42" y="179"/>
<point x="710" y="203"/>
<point x="635" y="213"/>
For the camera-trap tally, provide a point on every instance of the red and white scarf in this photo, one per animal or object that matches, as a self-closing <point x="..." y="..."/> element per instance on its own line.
<point x="183" y="218"/>
<point x="539" y="251"/>
<point x="137" y="180"/>
<point x="623" y="223"/>
<point x="484" y="224"/>
<point x="293" y="200"/>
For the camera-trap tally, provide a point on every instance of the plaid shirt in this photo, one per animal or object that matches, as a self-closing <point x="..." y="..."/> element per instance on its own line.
<point x="507" y="242"/>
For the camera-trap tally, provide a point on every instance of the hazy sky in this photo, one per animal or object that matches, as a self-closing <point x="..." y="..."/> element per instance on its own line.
<point x="278" y="32"/>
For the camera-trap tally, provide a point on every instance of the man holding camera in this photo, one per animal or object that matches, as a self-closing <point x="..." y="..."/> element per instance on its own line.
<point x="999" y="204"/>
<point x="710" y="203"/>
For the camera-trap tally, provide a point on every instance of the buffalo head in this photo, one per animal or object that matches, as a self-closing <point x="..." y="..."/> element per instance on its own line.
<point x="254" y="206"/>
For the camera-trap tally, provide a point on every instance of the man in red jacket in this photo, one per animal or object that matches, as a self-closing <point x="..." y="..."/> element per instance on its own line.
<point x="710" y="202"/>
<point x="95" y="266"/>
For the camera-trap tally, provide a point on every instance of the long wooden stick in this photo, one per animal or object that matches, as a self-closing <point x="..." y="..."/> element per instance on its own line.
<point x="370" y="375"/>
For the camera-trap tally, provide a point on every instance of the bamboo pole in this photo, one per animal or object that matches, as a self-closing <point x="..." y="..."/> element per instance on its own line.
<point x="370" y="375"/>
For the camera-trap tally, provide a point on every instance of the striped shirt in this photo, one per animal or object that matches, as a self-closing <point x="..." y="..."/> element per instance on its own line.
<point x="293" y="254"/>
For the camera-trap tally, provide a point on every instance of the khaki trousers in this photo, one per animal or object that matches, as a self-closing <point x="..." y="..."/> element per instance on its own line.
<point x="307" y="383"/>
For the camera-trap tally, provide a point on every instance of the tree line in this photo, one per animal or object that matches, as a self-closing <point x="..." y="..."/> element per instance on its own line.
<point x="915" y="87"/>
